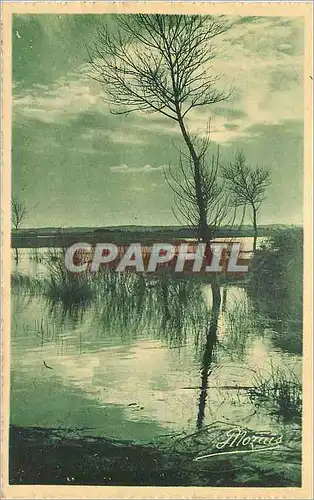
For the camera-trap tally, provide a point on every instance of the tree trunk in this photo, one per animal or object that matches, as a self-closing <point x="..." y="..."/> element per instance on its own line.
<point x="214" y="283"/>
<point x="16" y="255"/>
<point x="224" y="299"/>
<point x="206" y="365"/>
<point x="203" y="227"/>
<point x="205" y="234"/>
<point x="255" y="228"/>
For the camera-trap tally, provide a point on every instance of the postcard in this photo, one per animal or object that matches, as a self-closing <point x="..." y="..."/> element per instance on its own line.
<point x="157" y="250"/>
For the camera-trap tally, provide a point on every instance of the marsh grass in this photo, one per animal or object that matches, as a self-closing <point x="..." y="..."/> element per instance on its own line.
<point x="62" y="285"/>
<point x="36" y="255"/>
<point x="125" y="303"/>
<point x="71" y="289"/>
<point x="281" y="391"/>
<point x="58" y="284"/>
<point x="238" y="324"/>
<point x="131" y="303"/>
<point x="181" y="308"/>
<point x="45" y="330"/>
<point x="26" y="284"/>
<point x="120" y="301"/>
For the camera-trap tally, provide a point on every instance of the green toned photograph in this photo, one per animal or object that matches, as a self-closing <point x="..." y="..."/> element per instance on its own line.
<point x="156" y="250"/>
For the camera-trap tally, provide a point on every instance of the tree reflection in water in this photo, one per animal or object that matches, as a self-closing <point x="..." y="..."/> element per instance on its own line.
<point x="207" y="364"/>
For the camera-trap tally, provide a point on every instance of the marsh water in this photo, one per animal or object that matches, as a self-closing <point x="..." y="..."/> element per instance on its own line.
<point x="133" y="376"/>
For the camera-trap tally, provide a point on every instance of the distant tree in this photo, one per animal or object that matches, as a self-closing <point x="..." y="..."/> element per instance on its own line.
<point x="247" y="187"/>
<point x="161" y="64"/>
<point x="18" y="214"/>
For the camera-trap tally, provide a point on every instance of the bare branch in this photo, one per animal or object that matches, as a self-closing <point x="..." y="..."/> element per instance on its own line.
<point x="157" y="63"/>
<point x="18" y="212"/>
<point x="162" y="63"/>
<point x="246" y="184"/>
<point x="247" y="187"/>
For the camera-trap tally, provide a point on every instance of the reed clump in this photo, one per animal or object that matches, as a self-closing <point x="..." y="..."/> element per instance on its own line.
<point x="281" y="390"/>
<point x="62" y="285"/>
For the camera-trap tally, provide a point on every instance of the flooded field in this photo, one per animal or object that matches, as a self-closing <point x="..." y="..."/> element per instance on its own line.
<point x="141" y="362"/>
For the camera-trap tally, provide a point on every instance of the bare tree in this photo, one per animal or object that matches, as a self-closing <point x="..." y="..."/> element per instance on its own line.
<point x="183" y="183"/>
<point x="18" y="213"/>
<point x="161" y="64"/>
<point x="247" y="187"/>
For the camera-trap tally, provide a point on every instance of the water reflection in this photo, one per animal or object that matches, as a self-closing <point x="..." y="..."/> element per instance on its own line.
<point x="142" y="353"/>
<point x="206" y="364"/>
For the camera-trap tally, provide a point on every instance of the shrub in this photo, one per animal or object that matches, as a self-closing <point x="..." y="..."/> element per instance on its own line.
<point x="276" y="273"/>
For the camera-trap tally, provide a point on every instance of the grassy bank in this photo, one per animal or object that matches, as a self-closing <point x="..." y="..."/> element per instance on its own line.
<point x="50" y="456"/>
<point x="275" y="286"/>
<point x="276" y="274"/>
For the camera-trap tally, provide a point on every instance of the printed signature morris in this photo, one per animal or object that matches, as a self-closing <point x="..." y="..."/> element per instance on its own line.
<point x="238" y="441"/>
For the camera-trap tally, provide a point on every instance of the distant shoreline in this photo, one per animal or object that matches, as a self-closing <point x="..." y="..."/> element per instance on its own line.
<point x="134" y="227"/>
<point x="124" y="235"/>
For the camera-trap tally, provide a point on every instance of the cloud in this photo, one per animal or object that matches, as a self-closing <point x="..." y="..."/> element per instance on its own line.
<point x="126" y="169"/>
<point x="261" y="61"/>
<point x="116" y="135"/>
<point x="261" y="58"/>
<point x="64" y="135"/>
<point x="61" y="101"/>
<point x="136" y="188"/>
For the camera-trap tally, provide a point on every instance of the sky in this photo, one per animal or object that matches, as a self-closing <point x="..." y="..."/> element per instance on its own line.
<point x="76" y="164"/>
